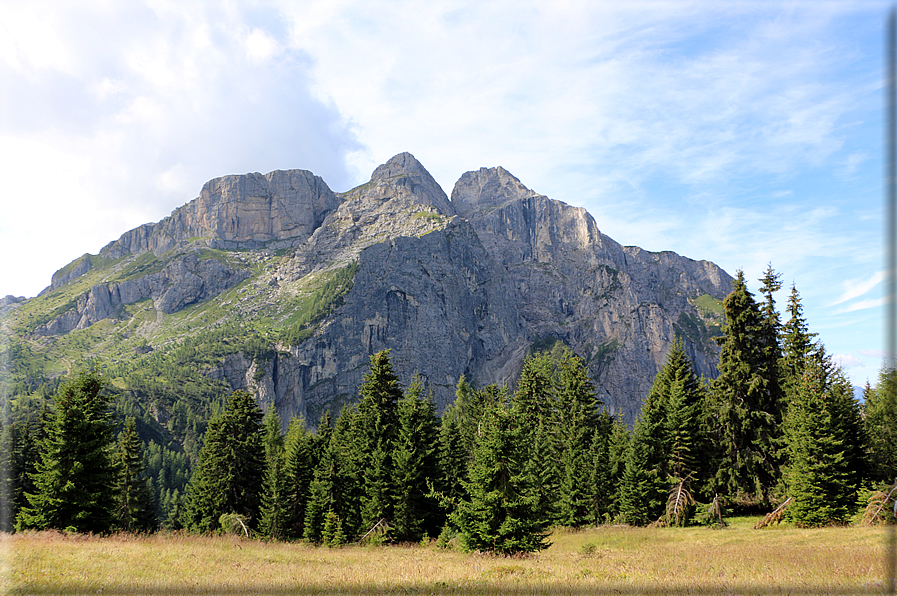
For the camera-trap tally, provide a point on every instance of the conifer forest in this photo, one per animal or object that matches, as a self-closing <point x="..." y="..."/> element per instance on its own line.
<point x="777" y="432"/>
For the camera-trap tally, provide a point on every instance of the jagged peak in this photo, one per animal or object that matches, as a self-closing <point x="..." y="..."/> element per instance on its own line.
<point x="487" y="187"/>
<point x="403" y="164"/>
<point x="404" y="170"/>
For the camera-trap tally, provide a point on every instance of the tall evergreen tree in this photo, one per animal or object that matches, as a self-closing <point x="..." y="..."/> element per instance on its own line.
<point x="378" y="428"/>
<point x="231" y="467"/>
<point x="501" y="511"/>
<point x="298" y="471"/>
<point x="76" y="474"/>
<point x="416" y="463"/>
<point x="880" y="415"/>
<point x="453" y="453"/>
<point x="748" y="429"/>
<point x="818" y="474"/>
<point x="797" y="343"/>
<point x="644" y="485"/>
<point x="273" y="508"/>
<point x="575" y="423"/>
<point x="135" y="508"/>
<point x="335" y="483"/>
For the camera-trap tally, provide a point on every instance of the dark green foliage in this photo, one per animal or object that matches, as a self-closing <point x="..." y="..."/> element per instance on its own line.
<point x="135" y="507"/>
<point x="797" y="344"/>
<point x="880" y="411"/>
<point x="273" y="514"/>
<point x="75" y="476"/>
<point x="273" y="508"/>
<point x="454" y="454"/>
<point x="334" y="485"/>
<point x="377" y="435"/>
<point x="23" y="432"/>
<point x="581" y="444"/>
<point x="644" y="486"/>
<point x="300" y="460"/>
<point x="501" y="512"/>
<point x="667" y="443"/>
<point x="231" y="467"/>
<point x="332" y="534"/>
<point x="416" y="463"/>
<point x="747" y="417"/>
<point x="820" y="474"/>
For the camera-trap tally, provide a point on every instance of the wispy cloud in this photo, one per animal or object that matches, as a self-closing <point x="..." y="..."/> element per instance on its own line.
<point x="847" y="360"/>
<point x="853" y="288"/>
<point x="863" y="304"/>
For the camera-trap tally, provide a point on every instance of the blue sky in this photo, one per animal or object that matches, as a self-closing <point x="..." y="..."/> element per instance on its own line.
<point x="744" y="133"/>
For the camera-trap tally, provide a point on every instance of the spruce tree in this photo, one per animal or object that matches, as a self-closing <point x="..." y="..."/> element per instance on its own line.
<point x="334" y="485"/>
<point x="818" y="475"/>
<point x="273" y="509"/>
<point x="378" y="428"/>
<point x="75" y="475"/>
<point x="298" y="471"/>
<point x="501" y="511"/>
<point x="453" y="456"/>
<point x="230" y="472"/>
<point x="575" y="423"/>
<point x="797" y="343"/>
<point x="135" y="508"/>
<point x="644" y="485"/>
<point x="747" y="418"/>
<point x="880" y="416"/>
<point x="415" y="463"/>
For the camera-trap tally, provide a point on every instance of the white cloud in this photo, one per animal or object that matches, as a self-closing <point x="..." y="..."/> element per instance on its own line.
<point x="863" y="305"/>
<point x="854" y="288"/>
<point x="131" y="108"/>
<point x="846" y="361"/>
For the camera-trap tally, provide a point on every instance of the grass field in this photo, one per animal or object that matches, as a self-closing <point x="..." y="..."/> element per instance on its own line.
<point x="608" y="560"/>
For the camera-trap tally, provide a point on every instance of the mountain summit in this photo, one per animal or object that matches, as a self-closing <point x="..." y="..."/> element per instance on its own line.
<point x="276" y="284"/>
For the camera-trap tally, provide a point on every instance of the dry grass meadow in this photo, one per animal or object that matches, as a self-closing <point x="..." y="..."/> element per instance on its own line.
<point x="607" y="560"/>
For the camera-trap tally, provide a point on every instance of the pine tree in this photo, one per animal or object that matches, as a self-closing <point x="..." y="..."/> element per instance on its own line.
<point x="501" y="511"/>
<point x="334" y="483"/>
<point x="797" y="343"/>
<point x="817" y="476"/>
<point x="231" y="467"/>
<point x="76" y="475"/>
<point x="880" y="415"/>
<point x="747" y="428"/>
<point x="619" y="444"/>
<point x="643" y="486"/>
<point x="298" y="471"/>
<point x="533" y="404"/>
<point x="575" y="423"/>
<point x="378" y="428"/>
<point x="135" y="509"/>
<point x="415" y="464"/>
<point x="272" y="511"/>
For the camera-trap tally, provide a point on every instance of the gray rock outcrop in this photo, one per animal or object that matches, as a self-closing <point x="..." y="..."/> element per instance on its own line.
<point x="467" y="285"/>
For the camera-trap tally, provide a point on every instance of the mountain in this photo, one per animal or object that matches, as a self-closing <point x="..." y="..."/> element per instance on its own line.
<point x="276" y="284"/>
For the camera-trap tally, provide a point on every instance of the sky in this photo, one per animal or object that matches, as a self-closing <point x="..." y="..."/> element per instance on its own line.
<point x="744" y="133"/>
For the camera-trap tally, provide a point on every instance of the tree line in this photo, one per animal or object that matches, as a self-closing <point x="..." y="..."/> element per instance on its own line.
<point x="779" y="425"/>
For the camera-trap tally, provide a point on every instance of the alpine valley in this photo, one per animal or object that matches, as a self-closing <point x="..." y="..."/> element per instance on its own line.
<point x="278" y="285"/>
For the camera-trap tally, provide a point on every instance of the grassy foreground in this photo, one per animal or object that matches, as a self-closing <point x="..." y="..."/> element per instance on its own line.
<point x="612" y="560"/>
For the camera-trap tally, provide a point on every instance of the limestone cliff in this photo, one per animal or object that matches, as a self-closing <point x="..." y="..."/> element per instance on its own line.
<point x="467" y="285"/>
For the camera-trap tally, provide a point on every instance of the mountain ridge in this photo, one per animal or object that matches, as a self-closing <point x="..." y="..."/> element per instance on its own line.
<point x="461" y="284"/>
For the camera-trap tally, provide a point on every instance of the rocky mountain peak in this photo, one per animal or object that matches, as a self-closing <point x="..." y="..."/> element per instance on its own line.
<point x="485" y="188"/>
<point x="404" y="176"/>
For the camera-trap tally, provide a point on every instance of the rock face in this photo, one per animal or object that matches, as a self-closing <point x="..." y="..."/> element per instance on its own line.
<point x="235" y="212"/>
<point x="184" y="281"/>
<point x="463" y="286"/>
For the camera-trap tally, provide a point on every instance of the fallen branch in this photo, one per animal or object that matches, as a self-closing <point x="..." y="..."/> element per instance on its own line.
<point x="773" y="517"/>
